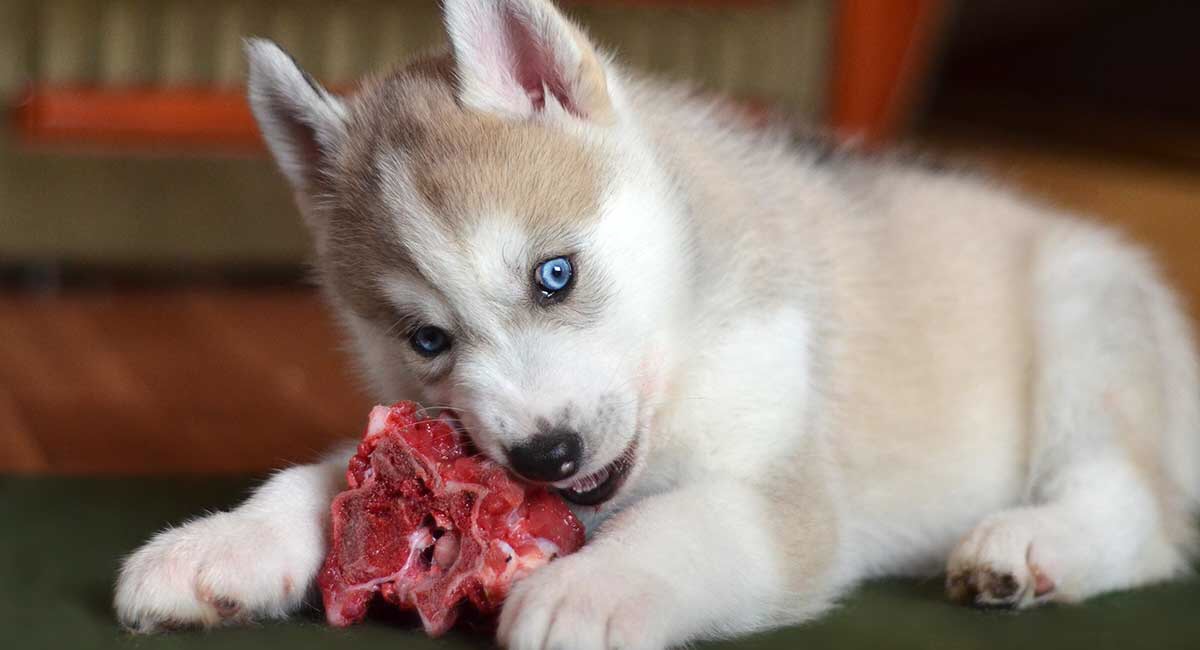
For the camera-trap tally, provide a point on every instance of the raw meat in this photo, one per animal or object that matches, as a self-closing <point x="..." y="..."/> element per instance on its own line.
<point x="427" y="525"/>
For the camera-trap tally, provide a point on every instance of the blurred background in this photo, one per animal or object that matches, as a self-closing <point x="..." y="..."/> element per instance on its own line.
<point x="154" y="313"/>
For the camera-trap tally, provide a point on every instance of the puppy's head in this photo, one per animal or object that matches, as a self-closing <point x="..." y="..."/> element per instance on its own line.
<point x="496" y="234"/>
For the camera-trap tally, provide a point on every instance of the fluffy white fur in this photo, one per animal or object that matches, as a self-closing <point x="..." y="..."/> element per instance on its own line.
<point x="837" y="370"/>
<point x="300" y="120"/>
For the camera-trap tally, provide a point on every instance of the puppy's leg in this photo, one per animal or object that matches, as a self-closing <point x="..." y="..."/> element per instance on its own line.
<point x="256" y="561"/>
<point x="1115" y="394"/>
<point x="703" y="561"/>
<point x="1096" y="528"/>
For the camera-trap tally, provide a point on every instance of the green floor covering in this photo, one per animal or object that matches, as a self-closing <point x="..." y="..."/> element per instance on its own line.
<point x="61" y="540"/>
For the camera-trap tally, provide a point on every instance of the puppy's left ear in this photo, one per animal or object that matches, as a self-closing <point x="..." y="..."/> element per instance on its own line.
<point x="516" y="56"/>
<point x="301" y="122"/>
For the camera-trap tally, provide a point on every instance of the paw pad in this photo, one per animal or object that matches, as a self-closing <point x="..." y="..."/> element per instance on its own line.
<point x="984" y="588"/>
<point x="991" y="589"/>
<point x="225" y="607"/>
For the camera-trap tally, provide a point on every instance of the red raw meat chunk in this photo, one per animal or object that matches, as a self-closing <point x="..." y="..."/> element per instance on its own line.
<point x="426" y="525"/>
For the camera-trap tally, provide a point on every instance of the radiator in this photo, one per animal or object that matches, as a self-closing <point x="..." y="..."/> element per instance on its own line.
<point x="775" y="51"/>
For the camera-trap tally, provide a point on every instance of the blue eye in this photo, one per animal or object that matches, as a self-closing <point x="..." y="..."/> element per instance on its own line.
<point x="430" y="341"/>
<point x="553" y="276"/>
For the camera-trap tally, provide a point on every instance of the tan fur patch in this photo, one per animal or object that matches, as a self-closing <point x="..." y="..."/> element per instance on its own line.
<point x="462" y="164"/>
<point x="465" y="163"/>
<point x="805" y="530"/>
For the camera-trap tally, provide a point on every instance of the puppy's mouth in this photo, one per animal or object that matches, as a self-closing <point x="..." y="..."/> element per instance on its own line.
<point x="600" y="486"/>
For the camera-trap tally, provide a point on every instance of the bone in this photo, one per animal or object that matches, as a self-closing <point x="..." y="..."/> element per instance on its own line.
<point x="445" y="551"/>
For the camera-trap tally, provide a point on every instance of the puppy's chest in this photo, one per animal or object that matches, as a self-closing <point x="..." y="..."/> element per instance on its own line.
<point x="744" y="406"/>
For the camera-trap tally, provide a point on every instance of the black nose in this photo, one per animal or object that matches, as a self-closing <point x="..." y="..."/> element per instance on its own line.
<point x="551" y="456"/>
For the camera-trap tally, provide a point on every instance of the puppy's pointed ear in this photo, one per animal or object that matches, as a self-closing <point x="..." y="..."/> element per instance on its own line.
<point x="515" y="56"/>
<point x="302" y="123"/>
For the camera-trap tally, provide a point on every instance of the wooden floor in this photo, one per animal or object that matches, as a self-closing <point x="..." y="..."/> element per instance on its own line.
<point x="221" y="380"/>
<point x="171" y="381"/>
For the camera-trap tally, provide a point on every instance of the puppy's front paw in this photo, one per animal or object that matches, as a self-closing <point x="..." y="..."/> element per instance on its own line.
<point x="585" y="602"/>
<point x="227" y="567"/>
<point x="996" y="566"/>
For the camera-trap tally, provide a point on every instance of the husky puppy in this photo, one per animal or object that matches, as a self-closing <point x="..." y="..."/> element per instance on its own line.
<point x="763" y="375"/>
